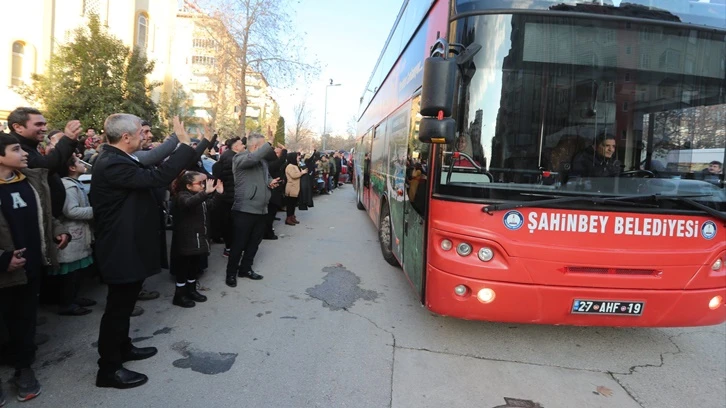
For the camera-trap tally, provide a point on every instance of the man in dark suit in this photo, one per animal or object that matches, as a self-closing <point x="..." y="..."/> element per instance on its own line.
<point x="127" y="223"/>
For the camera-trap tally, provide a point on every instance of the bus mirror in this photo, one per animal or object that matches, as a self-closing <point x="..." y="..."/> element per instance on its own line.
<point x="437" y="93"/>
<point x="433" y="130"/>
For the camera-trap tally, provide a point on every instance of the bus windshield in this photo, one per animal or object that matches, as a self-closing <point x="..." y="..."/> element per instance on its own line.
<point x="557" y="106"/>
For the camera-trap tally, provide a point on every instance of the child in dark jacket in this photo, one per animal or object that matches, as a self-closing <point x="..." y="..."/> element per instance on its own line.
<point x="193" y="198"/>
<point x="29" y="240"/>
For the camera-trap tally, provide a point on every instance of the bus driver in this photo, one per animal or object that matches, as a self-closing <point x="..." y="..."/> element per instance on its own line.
<point x="597" y="160"/>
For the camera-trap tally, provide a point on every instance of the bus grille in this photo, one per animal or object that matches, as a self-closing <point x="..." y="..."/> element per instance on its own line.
<point x="612" y="271"/>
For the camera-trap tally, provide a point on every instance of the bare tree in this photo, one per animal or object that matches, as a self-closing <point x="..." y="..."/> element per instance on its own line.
<point x="265" y="43"/>
<point x="352" y="126"/>
<point x="300" y="136"/>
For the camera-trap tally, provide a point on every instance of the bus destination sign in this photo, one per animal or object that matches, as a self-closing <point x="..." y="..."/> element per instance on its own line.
<point x="646" y="226"/>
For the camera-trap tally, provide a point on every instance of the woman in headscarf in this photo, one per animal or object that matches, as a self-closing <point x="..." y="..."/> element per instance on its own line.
<point x="292" y="188"/>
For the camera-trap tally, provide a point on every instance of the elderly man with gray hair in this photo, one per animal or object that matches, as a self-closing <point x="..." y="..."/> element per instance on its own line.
<point x="252" y="191"/>
<point x="127" y="222"/>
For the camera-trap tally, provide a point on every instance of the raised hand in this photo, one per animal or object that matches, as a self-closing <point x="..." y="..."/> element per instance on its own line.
<point x="181" y="132"/>
<point x="219" y="187"/>
<point x="208" y="134"/>
<point x="210" y="186"/>
<point x="72" y="129"/>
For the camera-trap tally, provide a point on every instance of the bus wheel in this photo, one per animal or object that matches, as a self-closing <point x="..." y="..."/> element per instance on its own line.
<point x="385" y="236"/>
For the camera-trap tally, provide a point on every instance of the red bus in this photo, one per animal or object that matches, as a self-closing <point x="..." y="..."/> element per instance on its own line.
<point x="557" y="185"/>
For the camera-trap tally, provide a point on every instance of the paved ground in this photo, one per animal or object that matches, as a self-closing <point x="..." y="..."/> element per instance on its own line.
<point x="332" y="325"/>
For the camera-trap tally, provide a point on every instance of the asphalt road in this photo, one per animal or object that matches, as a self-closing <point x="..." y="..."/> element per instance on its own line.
<point x="333" y="325"/>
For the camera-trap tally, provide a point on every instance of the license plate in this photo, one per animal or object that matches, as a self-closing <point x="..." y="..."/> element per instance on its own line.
<point x="607" y="307"/>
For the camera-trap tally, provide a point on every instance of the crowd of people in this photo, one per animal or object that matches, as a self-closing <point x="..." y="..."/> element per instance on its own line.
<point x="53" y="234"/>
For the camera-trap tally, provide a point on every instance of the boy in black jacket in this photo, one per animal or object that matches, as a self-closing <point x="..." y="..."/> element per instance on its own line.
<point x="27" y="235"/>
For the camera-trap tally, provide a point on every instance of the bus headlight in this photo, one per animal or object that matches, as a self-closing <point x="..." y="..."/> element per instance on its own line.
<point x="717" y="265"/>
<point x="715" y="302"/>
<point x="463" y="249"/>
<point x="446" y="245"/>
<point x="486" y="295"/>
<point x="486" y="254"/>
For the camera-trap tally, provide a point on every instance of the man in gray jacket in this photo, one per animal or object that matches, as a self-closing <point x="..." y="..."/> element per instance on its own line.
<point x="252" y="191"/>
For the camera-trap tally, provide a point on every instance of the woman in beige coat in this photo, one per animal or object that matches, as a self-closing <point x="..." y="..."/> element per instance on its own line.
<point x="292" y="188"/>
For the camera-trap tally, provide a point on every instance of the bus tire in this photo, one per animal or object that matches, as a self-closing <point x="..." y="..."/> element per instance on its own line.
<point x="385" y="236"/>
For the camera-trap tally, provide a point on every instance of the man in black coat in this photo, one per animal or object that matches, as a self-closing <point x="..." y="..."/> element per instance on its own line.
<point x="275" y="163"/>
<point x="338" y="168"/>
<point x="29" y="126"/>
<point x="127" y="222"/>
<point x="597" y="160"/>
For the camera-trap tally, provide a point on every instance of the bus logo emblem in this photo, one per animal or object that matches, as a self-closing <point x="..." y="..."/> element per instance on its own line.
<point x="514" y="220"/>
<point x="708" y="230"/>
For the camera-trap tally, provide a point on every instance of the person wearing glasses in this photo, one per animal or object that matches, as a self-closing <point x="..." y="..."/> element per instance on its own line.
<point x="194" y="197"/>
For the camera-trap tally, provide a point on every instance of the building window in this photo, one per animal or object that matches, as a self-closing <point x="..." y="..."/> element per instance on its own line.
<point x="142" y="30"/>
<point x="91" y="7"/>
<point x="203" y="60"/>
<point x="670" y="60"/>
<point x="646" y="34"/>
<point x="16" y="76"/>
<point x="625" y="106"/>
<point x="204" y="43"/>
<point x="645" y="60"/>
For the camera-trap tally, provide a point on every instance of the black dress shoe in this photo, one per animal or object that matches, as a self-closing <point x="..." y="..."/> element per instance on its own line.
<point x="74" y="310"/>
<point x="139" y="353"/>
<point x="271" y="236"/>
<point x="121" y="378"/>
<point x="84" y="302"/>
<point x="231" y="281"/>
<point x="251" y="274"/>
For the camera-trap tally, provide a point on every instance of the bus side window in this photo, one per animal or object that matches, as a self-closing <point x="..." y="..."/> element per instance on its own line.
<point x="416" y="163"/>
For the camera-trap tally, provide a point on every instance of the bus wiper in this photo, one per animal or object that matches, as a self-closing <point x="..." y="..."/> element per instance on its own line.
<point x="489" y="209"/>
<point x="693" y="203"/>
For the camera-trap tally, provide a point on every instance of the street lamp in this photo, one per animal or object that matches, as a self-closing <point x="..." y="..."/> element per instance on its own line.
<point x="325" y="113"/>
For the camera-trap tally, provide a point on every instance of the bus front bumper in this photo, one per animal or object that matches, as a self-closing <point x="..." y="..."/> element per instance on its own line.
<point x="541" y="304"/>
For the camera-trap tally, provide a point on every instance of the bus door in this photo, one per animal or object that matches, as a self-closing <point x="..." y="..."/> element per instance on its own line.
<point x="365" y="154"/>
<point x="415" y="203"/>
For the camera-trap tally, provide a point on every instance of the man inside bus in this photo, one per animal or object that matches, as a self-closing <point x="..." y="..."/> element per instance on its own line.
<point x="597" y="160"/>
<point x="713" y="172"/>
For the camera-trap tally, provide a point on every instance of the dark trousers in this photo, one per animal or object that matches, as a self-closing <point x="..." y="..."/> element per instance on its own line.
<point x="69" y="285"/>
<point x="290" y="204"/>
<point x="113" y="336"/>
<point x="336" y="179"/>
<point x="19" y="307"/>
<point x="187" y="267"/>
<point x="270" y="218"/>
<point x="224" y="211"/>
<point x="248" y="232"/>
<point x="326" y="182"/>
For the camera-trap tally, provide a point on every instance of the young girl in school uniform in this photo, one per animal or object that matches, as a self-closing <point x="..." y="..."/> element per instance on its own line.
<point x="194" y="197"/>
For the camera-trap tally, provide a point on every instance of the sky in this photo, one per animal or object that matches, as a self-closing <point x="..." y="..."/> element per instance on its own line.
<point x="347" y="37"/>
